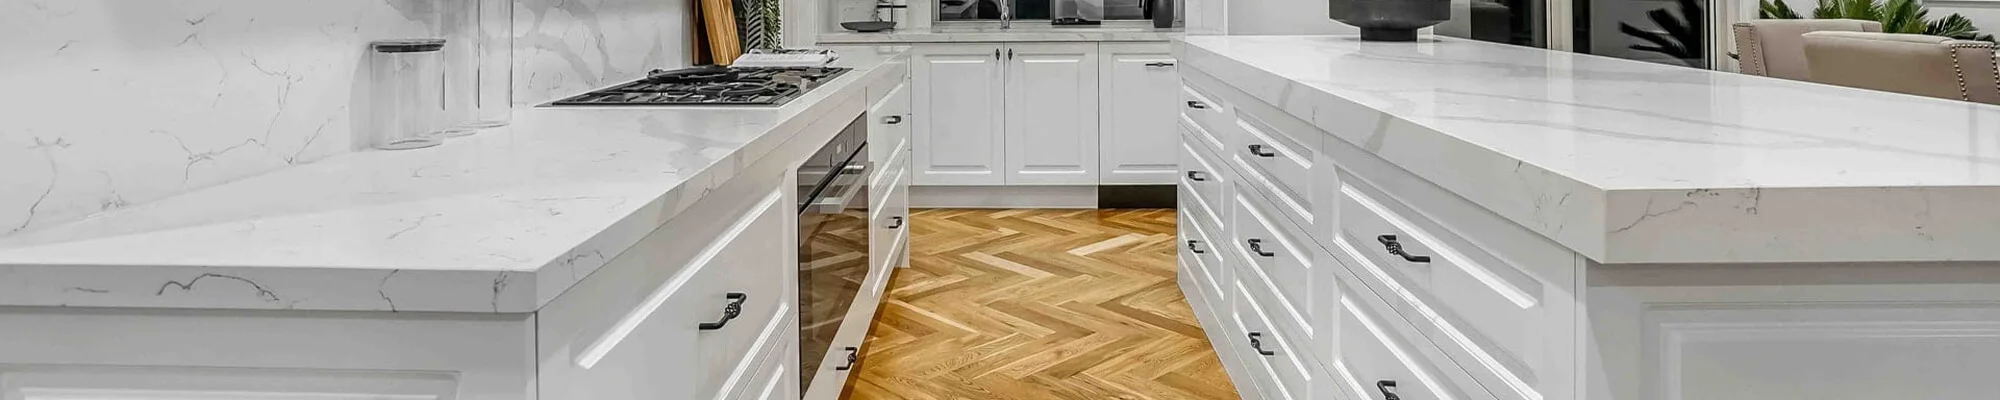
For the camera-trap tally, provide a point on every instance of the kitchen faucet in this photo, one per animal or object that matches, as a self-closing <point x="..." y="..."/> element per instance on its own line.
<point x="1006" y="14"/>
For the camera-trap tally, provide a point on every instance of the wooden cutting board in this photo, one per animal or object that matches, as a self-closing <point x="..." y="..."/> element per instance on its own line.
<point x="720" y="18"/>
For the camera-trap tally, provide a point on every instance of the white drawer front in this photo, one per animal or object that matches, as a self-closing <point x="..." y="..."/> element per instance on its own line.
<point x="1198" y="250"/>
<point x="1278" y="165"/>
<point x="1204" y="176"/>
<point x="1209" y="114"/>
<point x="1487" y="315"/>
<point x="1281" y="370"/>
<point x="752" y="265"/>
<point x="1375" y="361"/>
<point x="1282" y="260"/>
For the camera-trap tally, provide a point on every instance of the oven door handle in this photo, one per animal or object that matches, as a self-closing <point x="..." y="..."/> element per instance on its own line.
<point x="856" y="173"/>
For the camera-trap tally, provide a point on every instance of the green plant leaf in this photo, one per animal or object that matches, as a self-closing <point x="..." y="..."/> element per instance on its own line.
<point x="1766" y="9"/>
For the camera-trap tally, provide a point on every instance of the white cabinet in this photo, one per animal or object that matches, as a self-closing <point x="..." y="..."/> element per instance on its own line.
<point x="1138" y="85"/>
<point x="959" y="115"/>
<point x="1045" y="114"/>
<point x="1052" y="114"/>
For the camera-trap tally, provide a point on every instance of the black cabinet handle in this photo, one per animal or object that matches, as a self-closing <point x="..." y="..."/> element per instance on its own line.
<point x="1262" y="151"/>
<point x="1388" y="389"/>
<point x="1196" y="176"/>
<point x="893" y="119"/>
<point x="729" y="312"/>
<point x="996" y="54"/>
<point x="851" y="357"/>
<point x="1258" y="344"/>
<point x="1389" y="242"/>
<point x="896" y="222"/>
<point x="1257" y="246"/>
<point x="1159" y="64"/>
<point x="1191" y="247"/>
<point x="1010" y="54"/>
<point x="1197" y="105"/>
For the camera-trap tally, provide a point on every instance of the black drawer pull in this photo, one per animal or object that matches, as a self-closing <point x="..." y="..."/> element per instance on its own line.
<point x="851" y="358"/>
<point x="1388" y="389"/>
<point x="729" y="312"/>
<point x="1197" y="105"/>
<point x="895" y="222"/>
<point x="1262" y="151"/>
<point x="1389" y="243"/>
<point x="892" y="120"/>
<point x="1159" y="64"/>
<point x="1257" y="246"/>
<point x="1258" y="344"/>
<point x="1196" y="176"/>
<point x="1196" y="250"/>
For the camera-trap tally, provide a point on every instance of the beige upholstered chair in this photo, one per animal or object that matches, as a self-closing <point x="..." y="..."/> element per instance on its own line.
<point x="1771" y="47"/>
<point x="1912" y="64"/>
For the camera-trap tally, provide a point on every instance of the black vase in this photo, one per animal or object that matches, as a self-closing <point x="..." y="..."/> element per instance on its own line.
<point x="1390" y="20"/>
<point x="1163" y="13"/>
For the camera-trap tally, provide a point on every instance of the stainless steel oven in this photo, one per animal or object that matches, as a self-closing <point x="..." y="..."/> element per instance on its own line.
<point x="833" y="247"/>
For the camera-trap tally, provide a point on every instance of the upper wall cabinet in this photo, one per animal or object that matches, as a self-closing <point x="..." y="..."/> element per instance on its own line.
<point x="1052" y="114"/>
<point x="1139" y="102"/>
<point x="958" y="135"/>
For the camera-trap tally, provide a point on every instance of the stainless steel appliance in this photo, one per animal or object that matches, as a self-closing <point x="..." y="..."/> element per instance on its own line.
<point x="711" y="86"/>
<point x="833" y="247"/>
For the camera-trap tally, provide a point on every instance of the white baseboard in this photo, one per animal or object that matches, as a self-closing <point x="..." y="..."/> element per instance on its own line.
<point x="1003" y="197"/>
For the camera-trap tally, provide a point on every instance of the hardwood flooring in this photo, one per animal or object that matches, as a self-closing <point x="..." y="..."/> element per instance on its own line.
<point x="1039" y="304"/>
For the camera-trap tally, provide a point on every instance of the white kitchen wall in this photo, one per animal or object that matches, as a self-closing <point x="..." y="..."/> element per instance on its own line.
<point x="114" y="103"/>
<point x="566" y="47"/>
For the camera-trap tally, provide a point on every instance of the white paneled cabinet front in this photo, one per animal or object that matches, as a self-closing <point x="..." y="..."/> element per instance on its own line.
<point x="1045" y="114"/>
<point x="1136" y="131"/>
<point x="960" y="122"/>
<point x="1051" y="114"/>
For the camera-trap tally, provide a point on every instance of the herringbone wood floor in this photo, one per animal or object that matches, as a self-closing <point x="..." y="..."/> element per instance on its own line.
<point x="1039" y="304"/>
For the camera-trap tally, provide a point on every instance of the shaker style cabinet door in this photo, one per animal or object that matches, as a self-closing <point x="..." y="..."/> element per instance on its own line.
<point x="1052" y="114"/>
<point x="1140" y="103"/>
<point x="958" y="132"/>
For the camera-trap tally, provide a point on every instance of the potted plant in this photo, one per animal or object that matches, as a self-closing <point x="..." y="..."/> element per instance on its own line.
<point x="1896" y="16"/>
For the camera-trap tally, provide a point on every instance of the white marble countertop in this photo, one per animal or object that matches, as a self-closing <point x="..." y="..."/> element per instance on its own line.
<point x="1021" y="32"/>
<point x="1630" y="162"/>
<point x="502" y="221"/>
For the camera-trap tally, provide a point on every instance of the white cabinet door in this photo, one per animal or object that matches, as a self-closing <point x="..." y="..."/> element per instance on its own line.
<point x="958" y="117"/>
<point x="1139" y="105"/>
<point x="1052" y="114"/>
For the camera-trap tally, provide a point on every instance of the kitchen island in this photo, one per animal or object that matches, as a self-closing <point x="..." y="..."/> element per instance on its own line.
<point x="1459" y="219"/>
<point x="570" y="254"/>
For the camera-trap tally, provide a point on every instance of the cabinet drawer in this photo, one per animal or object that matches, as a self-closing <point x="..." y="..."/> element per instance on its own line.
<point x="1208" y="115"/>
<point x="1198" y="250"/>
<point x="1281" y="261"/>
<point x="1376" y="361"/>
<point x="890" y="216"/>
<point x="1278" y="165"/>
<point x="741" y="268"/>
<point x="1204" y="176"/>
<point x="776" y="375"/>
<point x="1487" y="315"/>
<point x="1272" y="355"/>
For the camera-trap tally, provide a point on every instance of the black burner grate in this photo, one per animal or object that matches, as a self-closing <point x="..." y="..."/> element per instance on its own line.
<point x="710" y="86"/>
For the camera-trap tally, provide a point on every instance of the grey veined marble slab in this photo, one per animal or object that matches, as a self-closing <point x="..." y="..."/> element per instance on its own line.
<point x="1631" y="162"/>
<point x="502" y="221"/>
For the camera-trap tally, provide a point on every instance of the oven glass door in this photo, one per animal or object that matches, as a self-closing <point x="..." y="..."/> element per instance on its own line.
<point x="833" y="261"/>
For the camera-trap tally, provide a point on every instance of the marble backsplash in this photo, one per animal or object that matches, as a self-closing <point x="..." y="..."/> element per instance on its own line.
<point x="567" y="47"/>
<point x="113" y="103"/>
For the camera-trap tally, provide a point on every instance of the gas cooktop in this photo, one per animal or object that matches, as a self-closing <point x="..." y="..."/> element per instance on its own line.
<point x="711" y="86"/>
